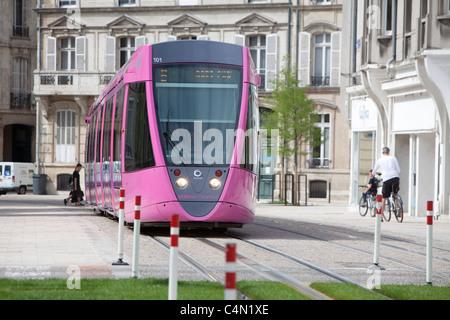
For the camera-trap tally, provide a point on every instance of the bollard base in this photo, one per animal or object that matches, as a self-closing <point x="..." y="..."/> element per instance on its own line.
<point x="375" y="266"/>
<point x="430" y="283"/>
<point x="120" y="263"/>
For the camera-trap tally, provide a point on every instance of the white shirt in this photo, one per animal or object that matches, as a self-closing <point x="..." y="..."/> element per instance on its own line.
<point x="388" y="166"/>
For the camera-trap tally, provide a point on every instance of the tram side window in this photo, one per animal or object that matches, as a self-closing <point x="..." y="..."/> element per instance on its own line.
<point x="118" y="125"/>
<point x="106" y="155"/>
<point x="93" y="128"/>
<point x="138" y="145"/>
<point x="99" y="133"/>
<point x="249" y="155"/>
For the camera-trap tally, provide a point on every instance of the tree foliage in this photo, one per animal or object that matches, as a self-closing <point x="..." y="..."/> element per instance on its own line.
<point x="294" y="116"/>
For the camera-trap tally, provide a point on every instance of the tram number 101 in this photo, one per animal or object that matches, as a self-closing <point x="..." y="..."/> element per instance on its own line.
<point x="157" y="60"/>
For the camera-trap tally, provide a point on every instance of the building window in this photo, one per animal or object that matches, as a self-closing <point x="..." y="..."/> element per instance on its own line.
<point x="321" y="153"/>
<point x="187" y="2"/>
<point x="67" y="3"/>
<point x="20" y="98"/>
<point x="19" y="75"/>
<point x="323" y="2"/>
<point x="126" y="50"/>
<point x="322" y="55"/>
<point x="446" y="7"/>
<point x="65" y="136"/>
<point x="387" y="12"/>
<point x="20" y="28"/>
<point x="257" y="46"/>
<point x="257" y="1"/>
<point x="68" y="54"/>
<point x="187" y="37"/>
<point x="123" y="3"/>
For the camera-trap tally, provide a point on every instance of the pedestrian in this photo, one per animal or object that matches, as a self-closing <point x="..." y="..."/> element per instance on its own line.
<point x="389" y="169"/>
<point x="76" y="194"/>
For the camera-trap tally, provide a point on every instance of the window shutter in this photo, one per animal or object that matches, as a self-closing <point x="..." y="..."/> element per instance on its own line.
<point x="335" y="74"/>
<point x="171" y="38"/>
<point x="140" y="41"/>
<point x="239" y="39"/>
<point x="80" y="49"/>
<point x="271" y="60"/>
<point x="202" y="37"/>
<point x="305" y="59"/>
<point x="110" y="54"/>
<point x="51" y="54"/>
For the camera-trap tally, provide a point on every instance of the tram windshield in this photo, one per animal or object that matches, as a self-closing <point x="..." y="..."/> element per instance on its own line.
<point x="197" y="106"/>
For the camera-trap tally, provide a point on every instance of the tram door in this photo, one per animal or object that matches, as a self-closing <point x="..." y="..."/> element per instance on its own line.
<point x="106" y="152"/>
<point x="117" y="148"/>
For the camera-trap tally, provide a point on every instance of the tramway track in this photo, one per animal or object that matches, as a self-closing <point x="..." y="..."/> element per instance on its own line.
<point x="355" y="234"/>
<point x="367" y="237"/>
<point x="196" y="265"/>
<point x="255" y="266"/>
<point x="367" y="252"/>
<point x="270" y="273"/>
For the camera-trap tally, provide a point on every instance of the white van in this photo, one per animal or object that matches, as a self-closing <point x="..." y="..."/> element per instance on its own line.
<point x="16" y="176"/>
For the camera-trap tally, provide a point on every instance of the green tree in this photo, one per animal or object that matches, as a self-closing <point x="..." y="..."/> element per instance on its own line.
<point x="294" y="116"/>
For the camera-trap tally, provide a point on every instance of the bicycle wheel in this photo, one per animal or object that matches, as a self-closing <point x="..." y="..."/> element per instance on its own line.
<point x="387" y="210"/>
<point x="398" y="204"/>
<point x="362" y="210"/>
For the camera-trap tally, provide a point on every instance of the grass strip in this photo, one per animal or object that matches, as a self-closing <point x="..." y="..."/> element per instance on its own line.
<point x="414" y="292"/>
<point x="157" y="289"/>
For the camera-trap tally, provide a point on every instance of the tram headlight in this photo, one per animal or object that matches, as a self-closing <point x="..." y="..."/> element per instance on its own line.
<point x="181" y="183"/>
<point x="215" y="183"/>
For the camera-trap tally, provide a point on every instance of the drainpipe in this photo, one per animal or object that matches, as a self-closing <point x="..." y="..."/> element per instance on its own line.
<point x="38" y="103"/>
<point x="289" y="35"/>
<point x="394" y="38"/>
<point x="297" y="27"/>
<point x="354" y="35"/>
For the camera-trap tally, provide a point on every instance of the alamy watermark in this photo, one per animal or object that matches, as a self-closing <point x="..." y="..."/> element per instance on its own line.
<point x="374" y="280"/>
<point x="74" y="280"/>
<point x="214" y="147"/>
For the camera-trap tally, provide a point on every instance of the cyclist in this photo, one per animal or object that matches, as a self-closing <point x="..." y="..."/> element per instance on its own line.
<point x="371" y="188"/>
<point x="390" y="170"/>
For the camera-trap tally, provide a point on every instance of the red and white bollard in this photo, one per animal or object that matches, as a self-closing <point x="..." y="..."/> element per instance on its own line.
<point x="376" y="248"/>
<point x="230" y="272"/>
<point x="430" y="216"/>
<point x="137" y="231"/>
<point x="173" y="267"/>
<point x="121" y="227"/>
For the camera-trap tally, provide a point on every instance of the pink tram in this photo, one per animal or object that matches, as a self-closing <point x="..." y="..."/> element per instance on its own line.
<point x="179" y="126"/>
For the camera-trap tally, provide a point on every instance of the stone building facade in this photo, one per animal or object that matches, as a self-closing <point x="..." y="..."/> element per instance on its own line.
<point x="395" y="91"/>
<point x="17" y="63"/>
<point x="82" y="44"/>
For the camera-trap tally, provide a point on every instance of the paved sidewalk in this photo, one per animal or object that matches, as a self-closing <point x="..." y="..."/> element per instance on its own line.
<point x="42" y="238"/>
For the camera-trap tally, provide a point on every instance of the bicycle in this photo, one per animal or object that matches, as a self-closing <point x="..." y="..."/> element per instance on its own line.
<point x="371" y="205"/>
<point x="395" y="205"/>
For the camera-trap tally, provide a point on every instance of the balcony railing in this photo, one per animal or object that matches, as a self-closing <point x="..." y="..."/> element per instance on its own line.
<point x="21" y="31"/>
<point x="70" y="82"/>
<point x="20" y="100"/>
<point x="320" y="81"/>
<point x="315" y="163"/>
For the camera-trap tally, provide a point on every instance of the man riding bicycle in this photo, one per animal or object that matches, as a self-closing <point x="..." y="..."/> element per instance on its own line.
<point x="371" y="188"/>
<point x="390" y="170"/>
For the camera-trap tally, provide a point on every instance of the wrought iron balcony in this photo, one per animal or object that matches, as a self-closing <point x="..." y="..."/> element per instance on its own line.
<point x="316" y="163"/>
<point x="20" y="100"/>
<point x="70" y="82"/>
<point x="320" y="81"/>
<point x="21" y="31"/>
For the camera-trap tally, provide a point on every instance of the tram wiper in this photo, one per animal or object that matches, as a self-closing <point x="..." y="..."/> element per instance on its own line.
<point x="167" y="135"/>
